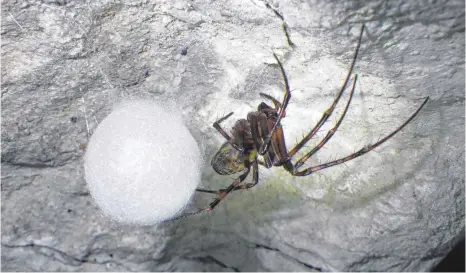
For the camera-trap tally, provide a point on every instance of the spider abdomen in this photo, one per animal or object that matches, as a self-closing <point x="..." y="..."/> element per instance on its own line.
<point x="228" y="160"/>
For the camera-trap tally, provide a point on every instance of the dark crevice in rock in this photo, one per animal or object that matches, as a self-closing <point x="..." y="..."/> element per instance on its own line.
<point x="454" y="261"/>
<point x="17" y="186"/>
<point x="286" y="255"/>
<point x="30" y="165"/>
<point x="211" y="259"/>
<point x="64" y="257"/>
<point x="84" y="193"/>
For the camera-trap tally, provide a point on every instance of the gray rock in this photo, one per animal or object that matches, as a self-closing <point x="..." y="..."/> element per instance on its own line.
<point x="398" y="208"/>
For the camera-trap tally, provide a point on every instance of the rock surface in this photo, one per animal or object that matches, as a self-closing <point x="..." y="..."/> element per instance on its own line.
<point x="398" y="208"/>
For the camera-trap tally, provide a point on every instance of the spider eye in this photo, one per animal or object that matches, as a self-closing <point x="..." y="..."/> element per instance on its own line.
<point x="227" y="160"/>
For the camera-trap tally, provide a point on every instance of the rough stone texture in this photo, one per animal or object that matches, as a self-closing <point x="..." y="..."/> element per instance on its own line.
<point x="398" y="208"/>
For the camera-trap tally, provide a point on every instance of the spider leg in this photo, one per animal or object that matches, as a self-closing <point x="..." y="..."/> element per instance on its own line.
<point x="331" y="132"/>
<point x="360" y="152"/>
<point x="278" y="154"/>
<point x="329" y="111"/>
<point x="184" y="215"/>
<point x="217" y="126"/>
<point x="223" y="192"/>
<point x="254" y="119"/>
<point x="255" y="180"/>
<point x="277" y="104"/>
<point x="281" y="113"/>
<point x="279" y="150"/>
<point x="264" y="164"/>
<point x="261" y="124"/>
<point x="208" y="191"/>
<point x="257" y="121"/>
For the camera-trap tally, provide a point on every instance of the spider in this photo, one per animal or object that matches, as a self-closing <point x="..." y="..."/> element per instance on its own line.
<point x="261" y="135"/>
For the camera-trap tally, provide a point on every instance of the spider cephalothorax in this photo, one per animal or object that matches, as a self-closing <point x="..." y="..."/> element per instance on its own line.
<point x="261" y="135"/>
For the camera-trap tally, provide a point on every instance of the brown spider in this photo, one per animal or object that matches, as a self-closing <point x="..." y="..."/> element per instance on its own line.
<point x="262" y="134"/>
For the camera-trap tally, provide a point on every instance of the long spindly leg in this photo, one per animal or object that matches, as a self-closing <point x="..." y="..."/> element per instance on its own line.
<point x="281" y="113"/>
<point x="221" y="195"/>
<point x="277" y="155"/>
<point x="224" y="134"/>
<point x="277" y="104"/>
<point x="226" y="191"/>
<point x="329" y="111"/>
<point x="208" y="191"/>
<point x="262" y="163"/>
<point x="255" y="120"/>
<point x="331" y="132"/>
<point x="255" y="180"/>
<point x="360" y="152"/>
<point x="279" y="150"/>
